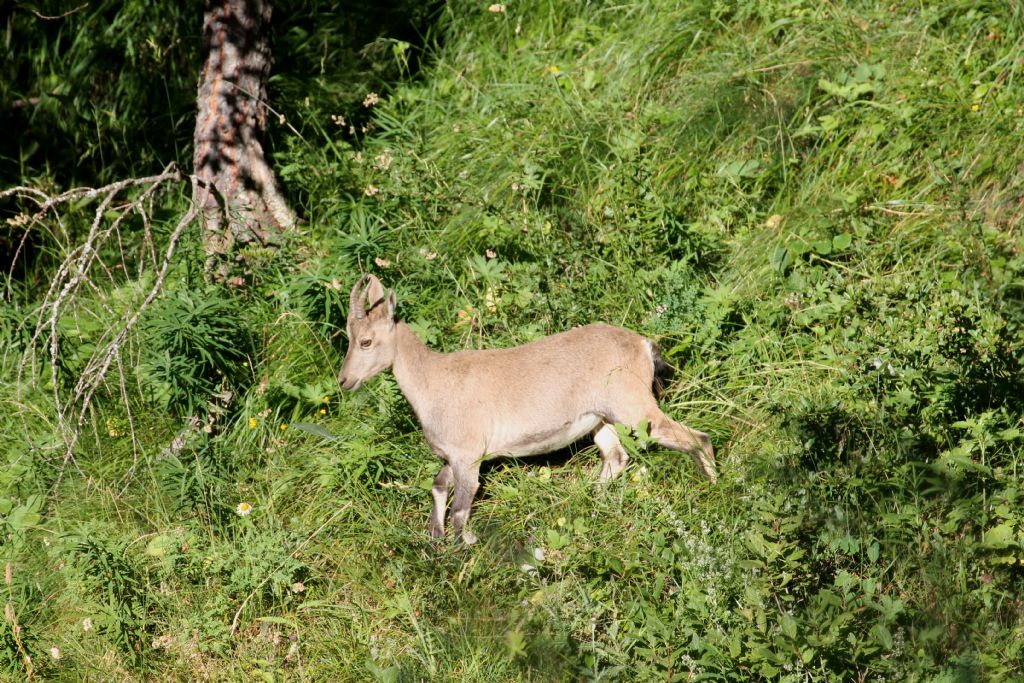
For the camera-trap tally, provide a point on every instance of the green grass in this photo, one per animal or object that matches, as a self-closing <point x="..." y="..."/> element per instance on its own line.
<point x="814" y="208"/>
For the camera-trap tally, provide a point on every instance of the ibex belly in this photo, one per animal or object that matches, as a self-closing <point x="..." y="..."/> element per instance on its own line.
<point x="520" y="440"/>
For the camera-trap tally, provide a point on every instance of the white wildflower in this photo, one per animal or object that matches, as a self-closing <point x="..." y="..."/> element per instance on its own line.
<point x="383" y="161"/>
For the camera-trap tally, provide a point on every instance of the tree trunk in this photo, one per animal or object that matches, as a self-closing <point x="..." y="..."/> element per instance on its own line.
<point x="238" y="195"/>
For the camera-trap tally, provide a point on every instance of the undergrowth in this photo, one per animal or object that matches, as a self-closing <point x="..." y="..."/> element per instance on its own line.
<point x="814" y="208"/>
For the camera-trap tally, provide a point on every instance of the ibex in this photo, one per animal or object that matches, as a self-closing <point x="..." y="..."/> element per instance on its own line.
<point x="526" y="400"/>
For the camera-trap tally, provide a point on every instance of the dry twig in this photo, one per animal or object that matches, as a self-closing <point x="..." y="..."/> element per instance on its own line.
<point x="79" y="269"/>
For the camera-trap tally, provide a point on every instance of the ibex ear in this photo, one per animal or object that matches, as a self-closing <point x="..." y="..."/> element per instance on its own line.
<point x="374" y="292"/>
<point x="391" y="306"/>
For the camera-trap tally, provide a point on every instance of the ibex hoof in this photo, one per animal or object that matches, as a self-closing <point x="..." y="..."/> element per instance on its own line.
<point x="468" y="537"/>
<point x="436" y="531"/>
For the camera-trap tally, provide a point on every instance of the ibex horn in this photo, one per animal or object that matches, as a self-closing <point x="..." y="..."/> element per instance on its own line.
<point x="355" y="303"/>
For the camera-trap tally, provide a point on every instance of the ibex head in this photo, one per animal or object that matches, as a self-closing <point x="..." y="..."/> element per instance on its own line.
<point x="371" y="332"/>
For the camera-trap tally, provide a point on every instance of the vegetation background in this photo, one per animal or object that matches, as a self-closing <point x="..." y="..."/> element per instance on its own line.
<point x="814" y="207"/>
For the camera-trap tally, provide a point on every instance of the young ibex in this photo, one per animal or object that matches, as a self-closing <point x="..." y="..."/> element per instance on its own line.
<point x="535" y="398"/>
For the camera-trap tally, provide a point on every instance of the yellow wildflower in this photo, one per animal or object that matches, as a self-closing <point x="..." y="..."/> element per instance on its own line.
<point x="252" y="423"/>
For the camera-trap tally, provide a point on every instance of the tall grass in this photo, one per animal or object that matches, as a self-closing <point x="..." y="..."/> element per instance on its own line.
<point x="814" y="209"/>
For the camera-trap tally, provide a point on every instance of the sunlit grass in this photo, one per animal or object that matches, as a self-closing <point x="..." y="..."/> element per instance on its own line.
<point x="813" y="208"/>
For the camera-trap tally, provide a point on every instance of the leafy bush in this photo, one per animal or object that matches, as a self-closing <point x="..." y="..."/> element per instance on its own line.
<point x="194" y="346"/>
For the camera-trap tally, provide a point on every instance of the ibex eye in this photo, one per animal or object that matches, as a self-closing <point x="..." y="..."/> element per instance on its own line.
<point x="365" y="343"/>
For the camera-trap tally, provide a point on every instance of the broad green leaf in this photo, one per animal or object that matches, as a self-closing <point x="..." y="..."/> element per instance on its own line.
<point x="555" y="540"/>
<point x="780" y="259"/>
<point x="788" y="625"/>
<point x="998" y="537"/>
<point x="842" y="241"/>
<point x="159" y="545"/>
<point x="22" y="518"/>
<point x="315" y="430"/>
<point x="882" y="636"/>
<point x="734" y="170"/>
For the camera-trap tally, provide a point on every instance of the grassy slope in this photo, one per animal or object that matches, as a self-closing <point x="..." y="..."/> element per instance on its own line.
<point x="813" y="207"/>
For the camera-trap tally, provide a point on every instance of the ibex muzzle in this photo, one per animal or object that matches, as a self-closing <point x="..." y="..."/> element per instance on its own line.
<point x="530" y="399"/>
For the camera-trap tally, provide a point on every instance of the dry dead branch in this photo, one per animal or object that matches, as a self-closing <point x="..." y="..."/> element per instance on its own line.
<point x="83" y="266"/>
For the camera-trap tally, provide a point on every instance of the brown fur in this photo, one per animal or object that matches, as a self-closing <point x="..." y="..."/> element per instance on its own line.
<point x="525" y="400"/>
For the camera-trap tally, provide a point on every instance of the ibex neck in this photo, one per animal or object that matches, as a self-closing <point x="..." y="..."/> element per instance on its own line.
<point x="412" y="363"/>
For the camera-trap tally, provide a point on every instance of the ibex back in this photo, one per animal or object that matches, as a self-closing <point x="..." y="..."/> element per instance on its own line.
<point x="530" y="399"/>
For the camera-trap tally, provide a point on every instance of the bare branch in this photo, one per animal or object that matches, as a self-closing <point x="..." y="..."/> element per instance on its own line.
<point x="58" y="16"/>
<point x="96" y="369"/>
<point x="78" y="270"/>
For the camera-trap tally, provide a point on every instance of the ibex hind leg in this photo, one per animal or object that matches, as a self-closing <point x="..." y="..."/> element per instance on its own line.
<point x="442" y="487"/>
<point x="613" y="455"/>
<point x="670" y="433"/>
<point x="467" y="481"/>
